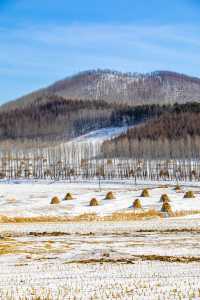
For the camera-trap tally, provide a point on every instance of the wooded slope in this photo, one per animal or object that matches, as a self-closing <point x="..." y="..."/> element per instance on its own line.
<point x="175" y="133"/>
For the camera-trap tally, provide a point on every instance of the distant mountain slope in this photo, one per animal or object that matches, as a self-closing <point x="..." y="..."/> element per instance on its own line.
<point x="135" y="89"/>
<point x="93" y="100"/>
<point x="160" y="87"/>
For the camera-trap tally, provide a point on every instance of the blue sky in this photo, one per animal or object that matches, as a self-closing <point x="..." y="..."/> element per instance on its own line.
<point x="43" y="41"/>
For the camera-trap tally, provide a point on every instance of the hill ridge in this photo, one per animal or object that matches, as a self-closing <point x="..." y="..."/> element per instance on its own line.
<point x="159" y="87"/>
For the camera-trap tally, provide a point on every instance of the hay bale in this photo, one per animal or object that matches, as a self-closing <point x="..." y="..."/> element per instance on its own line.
<point x="164" y="198"/>
<point x="177" y="188"/>
<point x="137" y="204"/>
<point x="145" y="193"/>
<point x="110" y="196"/>
<point x="68" y="196"/>
<point x="189" y="194"/>
<point x="166" y="208"/>
<point x="94" y="202"/>
<point x="55" y="200"/>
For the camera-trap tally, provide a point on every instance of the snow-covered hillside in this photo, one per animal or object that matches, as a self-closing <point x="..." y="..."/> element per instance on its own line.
<point x="89" y="145"/>
<point x="100" y="135"/>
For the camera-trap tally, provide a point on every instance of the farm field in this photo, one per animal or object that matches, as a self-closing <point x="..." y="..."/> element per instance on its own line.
<point x="152" y="257"/>
<point x="24" y="199"/>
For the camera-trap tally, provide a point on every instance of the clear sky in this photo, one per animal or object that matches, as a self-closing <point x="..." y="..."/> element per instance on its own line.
<point x="42" y="41"/>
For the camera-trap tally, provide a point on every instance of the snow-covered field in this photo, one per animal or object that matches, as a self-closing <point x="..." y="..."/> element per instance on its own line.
<point x="22" y="199"/>
<point x="156" y="259"/>
<point x="148" y="259"/>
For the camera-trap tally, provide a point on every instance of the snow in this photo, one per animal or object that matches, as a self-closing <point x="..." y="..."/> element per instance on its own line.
<point x="88" y="146"/>
<point x="97" y="260"/>
<point x="144" y="281"/>
<point x="100" y="135"/>
<point x="46" y="260"/>
<point x="24" y="199"/>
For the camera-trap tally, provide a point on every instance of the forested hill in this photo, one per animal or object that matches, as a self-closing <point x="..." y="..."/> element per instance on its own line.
<point x="160" y="87"/>
<point x="54" y="117"/>
<point x="175" y="133"/>
<point x="96" y="99"/>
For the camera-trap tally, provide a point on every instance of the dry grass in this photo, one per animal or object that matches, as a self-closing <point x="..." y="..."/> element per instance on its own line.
<point x="134" y="258"/>
<point x="37" y="219"/>
<point x="189" y="194"/>
<point x="6" y="249"/>
<point x="85" y="217"/>
<point x="163" y="186"/>
<point x="11" y="246"/>
<point x="145" y="193"/>
<point x="55" y="200"/>
<point x="137" y="204"/>
<point x="90" y="217"/>
<point x="183" y="213"/>
<point x="118" y="216"/>
<point x="133" y="215"/>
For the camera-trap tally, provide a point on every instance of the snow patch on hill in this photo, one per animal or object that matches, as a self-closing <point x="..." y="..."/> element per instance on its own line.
<point x="100" y="135"/>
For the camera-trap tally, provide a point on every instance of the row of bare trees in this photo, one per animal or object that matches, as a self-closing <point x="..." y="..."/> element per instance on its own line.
<point x="73" y="161"/>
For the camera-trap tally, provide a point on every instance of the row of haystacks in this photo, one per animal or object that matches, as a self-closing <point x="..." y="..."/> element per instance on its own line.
<point x="56" y="200"/>
<point x="166" y="207"/>
<point x="164" y="199"/>
<point x="189" y="194"/>
<point x="93" y="202"/>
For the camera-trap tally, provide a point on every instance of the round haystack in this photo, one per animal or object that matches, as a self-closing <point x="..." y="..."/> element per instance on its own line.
<point x="11" y="200"/>
<point x="55" y="200"/>
<point x="94" y="202"/>
<point x="137" y="204"/>
<point x="189" y="194"/>
<point x="177" y="188"/>
<point x="68" y="196"/>
<point x="166" y="208"/>
<point x="110" y="196"/>
<point x="145" y="193"/>
<point x="164" y="198"/>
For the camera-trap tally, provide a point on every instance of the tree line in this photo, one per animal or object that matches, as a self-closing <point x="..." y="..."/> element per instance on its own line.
<point x="53" y="117"/>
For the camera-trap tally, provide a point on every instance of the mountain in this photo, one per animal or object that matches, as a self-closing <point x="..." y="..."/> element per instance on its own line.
<point x="135" y="89"/>
<point x="161" y="87"/>
<point x="52" y="117"/>
<point x="93" y="100"/>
